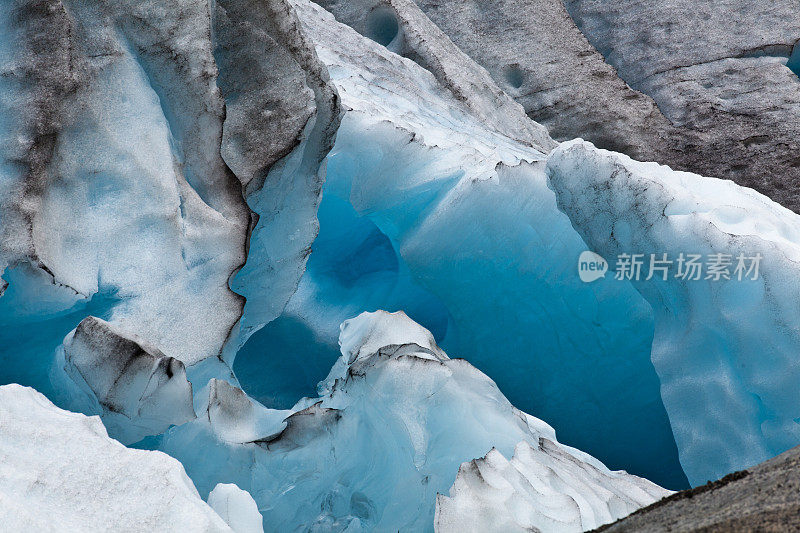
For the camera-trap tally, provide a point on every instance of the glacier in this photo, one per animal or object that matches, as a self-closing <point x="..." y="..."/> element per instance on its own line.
<point x="393" y="421"/>
<point x="137" y="390"/>
<point x="628" y="78"/>
<point x="196" y="200"/>
<point x="194" y="297"/>
<point x="405" y="205"/>
<point x="125" y="214"/>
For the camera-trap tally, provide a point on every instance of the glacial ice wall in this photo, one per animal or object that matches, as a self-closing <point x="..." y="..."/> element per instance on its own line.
<point x="123" y="203"/>
<point x="132" y="192"/>
<point x="136" y="389"/>
<point x="725" y="347"/>
<point x="428" y="210"/>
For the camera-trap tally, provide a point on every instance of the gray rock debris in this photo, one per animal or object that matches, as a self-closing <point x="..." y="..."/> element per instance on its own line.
<point x="763" y="498"/>
<point x="733" y="115"/>
<point x="718" y="69"/>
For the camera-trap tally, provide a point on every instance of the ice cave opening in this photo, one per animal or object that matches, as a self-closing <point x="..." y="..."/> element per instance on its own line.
<point x="382" y="26"/>
<point x="575" y="355"/>
<point x="353" y="267"/>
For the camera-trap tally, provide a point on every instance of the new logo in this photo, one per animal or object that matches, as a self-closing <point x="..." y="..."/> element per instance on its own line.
<point x="591" y="267"/>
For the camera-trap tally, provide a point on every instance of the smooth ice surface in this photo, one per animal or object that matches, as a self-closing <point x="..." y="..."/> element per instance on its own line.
<point x="59" y="471"/>
<point x="394" y="420"/>
<point x="427" y="210"/>
<point x="544" y="488"/>
<point x="236" y="507"/>
<point x="725" y="349"/>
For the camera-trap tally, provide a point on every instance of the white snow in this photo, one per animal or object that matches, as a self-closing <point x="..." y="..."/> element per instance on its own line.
<point x="236" y="507"/>
<point x="59" y="471"/>
<point x="544" y="488"/>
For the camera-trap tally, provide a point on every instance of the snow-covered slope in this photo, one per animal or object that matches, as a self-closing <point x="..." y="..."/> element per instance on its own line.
<point x="59" y="471"/>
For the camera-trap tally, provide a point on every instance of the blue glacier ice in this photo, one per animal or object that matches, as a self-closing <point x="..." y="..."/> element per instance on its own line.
<point x="725" y="348"/>
<point x="196" y="202"/>
<point x="394" y="419"/>
<point x="428" y="210"/>
<point x="113" y="204"/>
